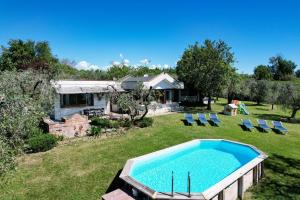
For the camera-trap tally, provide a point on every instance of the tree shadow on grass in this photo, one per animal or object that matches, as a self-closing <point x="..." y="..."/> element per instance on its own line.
<point x="276" y="117"/>
<point x="282" y="180"/>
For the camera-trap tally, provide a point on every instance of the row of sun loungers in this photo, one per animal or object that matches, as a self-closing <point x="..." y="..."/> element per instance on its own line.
<point x="202" y="118"/>
<point x="262" y="124"/>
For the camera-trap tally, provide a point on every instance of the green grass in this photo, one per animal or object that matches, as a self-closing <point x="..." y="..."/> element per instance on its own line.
<point x="85" y="168"/>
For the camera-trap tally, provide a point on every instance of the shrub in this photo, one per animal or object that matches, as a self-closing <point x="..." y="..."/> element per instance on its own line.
<point x="102" y="122"/>
<point x="41" y="142"/>
<point x="114" y="124"/>
<point x="145" y="122"/>
<point x="7" y="158"/>
<point x="95" y="131"/>
<point x="126" y="123"/>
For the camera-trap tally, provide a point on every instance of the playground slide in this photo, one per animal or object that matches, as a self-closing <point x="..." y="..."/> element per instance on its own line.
<point x="243" y="109"/>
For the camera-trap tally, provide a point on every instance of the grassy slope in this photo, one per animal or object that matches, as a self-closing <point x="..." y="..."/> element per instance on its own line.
<point x="85" y="168"/>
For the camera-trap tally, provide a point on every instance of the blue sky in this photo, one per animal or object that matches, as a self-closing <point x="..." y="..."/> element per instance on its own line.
<point x="97" y="32"/>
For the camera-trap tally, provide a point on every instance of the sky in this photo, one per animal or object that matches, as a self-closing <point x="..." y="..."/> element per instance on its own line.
<point x="96" y="33"/>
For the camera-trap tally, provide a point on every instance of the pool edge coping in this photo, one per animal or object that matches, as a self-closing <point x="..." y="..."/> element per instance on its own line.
<point x="209" y="192"/>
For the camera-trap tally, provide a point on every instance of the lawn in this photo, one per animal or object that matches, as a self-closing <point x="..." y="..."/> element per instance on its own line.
<point x="86" y="168"/>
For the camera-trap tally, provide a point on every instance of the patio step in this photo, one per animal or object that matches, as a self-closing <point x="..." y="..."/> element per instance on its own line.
<point x="117" y="194"/>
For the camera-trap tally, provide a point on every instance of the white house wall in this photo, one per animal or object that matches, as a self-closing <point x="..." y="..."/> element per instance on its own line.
<point x="59" y="112"/>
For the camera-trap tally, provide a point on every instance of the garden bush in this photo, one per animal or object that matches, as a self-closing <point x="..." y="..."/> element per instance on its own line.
<point x="126" y="123"/>
<point x="145" y="122"/>
<point x="41" y="142"/>
<point x="6" y="158"/>
<point x="95" y="131"/>
<point x="114" y="124"/>
<point x="101" y="122"/>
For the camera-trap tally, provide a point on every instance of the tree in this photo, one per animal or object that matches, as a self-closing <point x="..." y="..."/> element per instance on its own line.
<point x="297" y="73"/>
<point x="281" y="68"/>
<point x="259" y="91"/>
<point x="233" y="88"/>
<point x="206" y="67"/>
<point x="23" y="103"/>
<point x="273" y="93"/>
<point x="118" y="71"/>
<point x="290" y="98"/>
<point x="134" y="101"/>
<point x="22" y="55"/>
<point x="262" y="72"/>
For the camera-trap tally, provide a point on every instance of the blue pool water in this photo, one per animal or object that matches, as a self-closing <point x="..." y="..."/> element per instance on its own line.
<point x="207" y="161"/>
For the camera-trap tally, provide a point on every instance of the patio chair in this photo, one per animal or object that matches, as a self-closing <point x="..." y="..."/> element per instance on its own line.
<point x="263" y="125"/>
<point x="279" y="127"/>
<point x="247" y="124"/>
<point x="189" y="118"/>
<point x="214" y="118"/>
<point x="202" y="118"/>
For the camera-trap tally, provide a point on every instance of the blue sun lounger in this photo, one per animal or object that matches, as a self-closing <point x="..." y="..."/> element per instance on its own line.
<point x="202" y="118"/>
<point x="248" y="124"/>
<point x="279" y="127"/>
<point x="214" y="118"/>
<point x="189" y="118"/>
<point x="263" y="125"/>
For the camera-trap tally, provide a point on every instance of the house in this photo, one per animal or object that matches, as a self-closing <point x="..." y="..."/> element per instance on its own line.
<point x="167" y="90"/>
<point x="169" y="87"/>
<point x="79" y="96"/>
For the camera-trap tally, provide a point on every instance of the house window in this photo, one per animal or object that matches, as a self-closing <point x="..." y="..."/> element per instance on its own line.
<point x="74" y="100"/>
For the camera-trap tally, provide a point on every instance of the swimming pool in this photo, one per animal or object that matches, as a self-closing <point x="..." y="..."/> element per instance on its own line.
<point x="198" y="169"/>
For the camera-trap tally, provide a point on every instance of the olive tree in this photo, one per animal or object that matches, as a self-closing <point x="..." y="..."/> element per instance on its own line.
<point x="259" y="91"/>
<point x="290" y="98"/>
<point x="273" y="93"/>
<point x="135" y="102"/>
<point x="25" y="97"/>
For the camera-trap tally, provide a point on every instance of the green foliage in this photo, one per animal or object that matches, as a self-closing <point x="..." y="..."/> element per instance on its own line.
<point x="23" y="103"/>
<point x="101" y="122"/>
<point x="233" y="88"/>
<point x="131" y="102"/>
<point x="22" y="55"/>
<point x="259" y="91"/>
<point x="114" y="124"/>
<point x="41" y="142"/>
<point x="262" y="72"/>
<point x="273" y="95"/>
<point x="117" y="72"/>
<point x="145" y="122"/>
<point x="289" y="98"/>
<point x="126" y="123"/>
<point x="206" y="68"/>
<point x="281" y="68"/>
<point x="297" y="73"/>
<point x="6" y="157"/>
<point x="95" y="131"/>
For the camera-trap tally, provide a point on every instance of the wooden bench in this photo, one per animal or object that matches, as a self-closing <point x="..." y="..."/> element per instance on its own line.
<point x="117" y="195"/>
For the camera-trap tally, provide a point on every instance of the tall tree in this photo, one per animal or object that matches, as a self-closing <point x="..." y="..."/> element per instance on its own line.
<point x="22" y="55"/>
<point x="206" y="67"/>
<point x="282" y="69"/>
<point x="262" y="72"/>
<point x="290" y="98"/>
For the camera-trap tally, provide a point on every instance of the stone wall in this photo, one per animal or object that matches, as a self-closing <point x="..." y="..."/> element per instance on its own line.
<point x="76" y="125"/>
